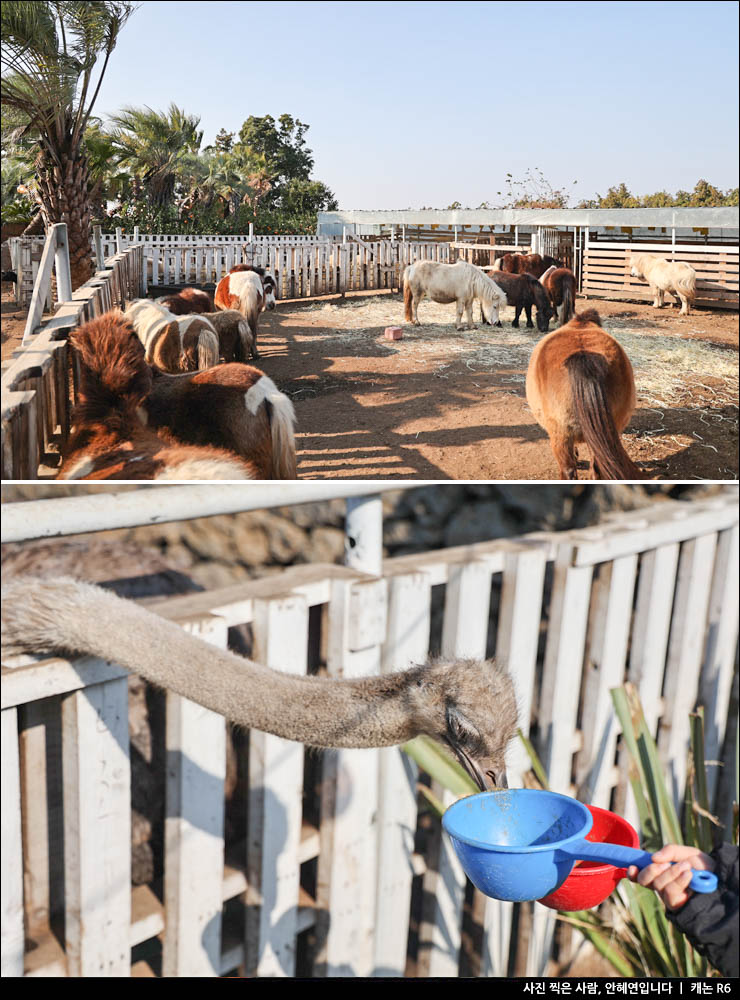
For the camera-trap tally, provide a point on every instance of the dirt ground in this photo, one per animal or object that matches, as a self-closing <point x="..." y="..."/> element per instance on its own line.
<point x="443" y="404"/>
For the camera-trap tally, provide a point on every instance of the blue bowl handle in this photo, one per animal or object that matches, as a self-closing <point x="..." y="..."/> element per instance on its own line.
<point x="623" y="857"/>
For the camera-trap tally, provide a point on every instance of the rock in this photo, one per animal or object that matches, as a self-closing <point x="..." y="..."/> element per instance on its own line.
<point x="476" y="522"/>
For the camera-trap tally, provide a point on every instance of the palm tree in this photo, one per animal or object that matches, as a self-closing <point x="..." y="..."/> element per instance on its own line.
<point x="49" y="54"/>
<point x="156" y="146"/>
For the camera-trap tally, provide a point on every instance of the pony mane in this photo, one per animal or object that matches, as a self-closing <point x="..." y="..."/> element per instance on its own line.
<point x="485" y="286"/>
<point x="115" y="375"/>
<point x="587" y="316"/>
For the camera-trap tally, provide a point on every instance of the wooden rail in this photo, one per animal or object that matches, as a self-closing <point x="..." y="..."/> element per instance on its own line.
<point x="615" y="610"/>
<point x="606" y="271"/>
<point x="36" y="380"/>
<point x="301" y="270"/>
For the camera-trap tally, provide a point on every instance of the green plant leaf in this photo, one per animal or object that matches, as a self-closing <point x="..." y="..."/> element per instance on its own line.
<point x="440" y="766"/>
<point x="537" y="766"/>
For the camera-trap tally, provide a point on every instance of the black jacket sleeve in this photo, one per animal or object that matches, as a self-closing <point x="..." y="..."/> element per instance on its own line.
<point x="710" y="920"/>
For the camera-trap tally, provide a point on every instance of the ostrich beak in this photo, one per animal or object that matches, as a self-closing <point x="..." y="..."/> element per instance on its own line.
<point x="468" y="764"/>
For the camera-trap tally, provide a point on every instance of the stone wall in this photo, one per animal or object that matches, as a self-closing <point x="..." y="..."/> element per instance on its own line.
<point x="216" y="551"/>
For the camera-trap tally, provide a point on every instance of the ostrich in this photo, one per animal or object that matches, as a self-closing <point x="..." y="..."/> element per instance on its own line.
<point x="467" y="705"/>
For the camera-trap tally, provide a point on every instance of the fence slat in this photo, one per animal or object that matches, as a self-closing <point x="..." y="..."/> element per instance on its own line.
<point x="695" y="570"/>
<point x="194" y="847"/>
<point x="407" y="643"/>
<point x="11" y="885"/>
<point x="721" y="645"/>
<point x="516" y="646"/>
<point x="464" y="634"/>
<point x="97" y="830"/>
<point x="605" y="669"/>
<point x="275" y="803"/>
<point x="349" y="833"/>
<point x="561" y="681"/>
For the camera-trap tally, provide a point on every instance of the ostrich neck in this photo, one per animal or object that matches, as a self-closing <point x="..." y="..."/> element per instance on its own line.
<point x="324" y="712"/>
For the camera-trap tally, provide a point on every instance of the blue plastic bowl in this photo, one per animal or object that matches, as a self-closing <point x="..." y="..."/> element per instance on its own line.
<point x="522" y="843"/>
<point x="506" y="840"/>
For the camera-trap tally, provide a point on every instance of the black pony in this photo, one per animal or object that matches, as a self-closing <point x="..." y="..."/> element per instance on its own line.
<point x="523" y="291"/>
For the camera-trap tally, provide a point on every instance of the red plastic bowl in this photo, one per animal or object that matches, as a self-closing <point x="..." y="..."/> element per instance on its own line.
<point x="589" y="883"/>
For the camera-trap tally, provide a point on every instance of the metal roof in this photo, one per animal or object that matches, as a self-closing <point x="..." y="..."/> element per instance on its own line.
<point x="680" y="218"/>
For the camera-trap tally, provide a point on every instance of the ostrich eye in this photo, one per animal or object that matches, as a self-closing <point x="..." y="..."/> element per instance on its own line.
<point x="460" y="727"/>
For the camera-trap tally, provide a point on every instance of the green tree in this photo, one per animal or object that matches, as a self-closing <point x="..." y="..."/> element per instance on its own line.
<point x="159" y="147"/>
<point x="661" y="199"/>
<point x="303" y="197"/>
<point x="618" y="197"/>
<point x="50" y="51"/>
<point x="706" y="195"/>
<point x="224" y="141"/>
<point x="280" y="145"/>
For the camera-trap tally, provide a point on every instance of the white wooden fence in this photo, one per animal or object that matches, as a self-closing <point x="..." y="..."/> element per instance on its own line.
<point x="38" y="382"/>
<point x="607" y="273"/>
<point x="303" y="267"/>
<point x="649" y="596"/>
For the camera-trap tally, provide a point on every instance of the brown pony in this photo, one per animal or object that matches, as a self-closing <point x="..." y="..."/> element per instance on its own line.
<point x="109" y="439"/>
<point x="522" y="292"/>
<point x="581" y="388"/>
<point x="249" y="290"/>
<point x="560" y="285"/>
<point x="232" y="406"/>
<point x="188" y="300"/>
<point x="525" y="263"/>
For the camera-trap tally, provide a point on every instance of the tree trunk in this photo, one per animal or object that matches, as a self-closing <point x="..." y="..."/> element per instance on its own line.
<point x="63" y="196"/>
<point x="35" y="227"/>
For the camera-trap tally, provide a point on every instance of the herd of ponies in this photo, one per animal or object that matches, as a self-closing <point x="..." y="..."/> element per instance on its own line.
<point x="166" y="390"/>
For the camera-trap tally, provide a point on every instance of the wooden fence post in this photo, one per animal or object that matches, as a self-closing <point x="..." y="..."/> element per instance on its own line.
<point x="61" y="264"/>
<point x="516" y="646"/>
<point x="97" y="829"/>
<point x="194" y="847"/>
<point x="275" y="803"/>
<point x="406" y="644"/>
<point x="569" y="607"/>
<point x="11" y="886"/>
<point x="464" y="634"/>
<point x="349" y="808"/>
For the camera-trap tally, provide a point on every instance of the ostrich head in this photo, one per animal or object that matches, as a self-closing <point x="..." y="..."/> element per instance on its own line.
<point x="469" y="706"/>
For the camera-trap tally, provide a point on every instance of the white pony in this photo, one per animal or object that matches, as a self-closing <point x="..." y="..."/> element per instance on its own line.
<point x="663" y="276"/>
<point x="173" y="343"/>
<point x="461" y="283"/>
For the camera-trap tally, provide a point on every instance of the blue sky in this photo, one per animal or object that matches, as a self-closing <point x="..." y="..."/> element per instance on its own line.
<point x="414" y="104"/>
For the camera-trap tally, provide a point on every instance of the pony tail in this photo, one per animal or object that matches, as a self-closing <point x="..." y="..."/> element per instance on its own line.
<point x="568" y="306"/>
<point x="407" y="298"/>
<point x="246" y="344"/>
<point x="208" y="352"/>
<point x="587" y="373"/>
<point x="282" y="427"/>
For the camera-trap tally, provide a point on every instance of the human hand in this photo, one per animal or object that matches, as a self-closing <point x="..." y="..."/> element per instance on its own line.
<point x="669" y="873"/>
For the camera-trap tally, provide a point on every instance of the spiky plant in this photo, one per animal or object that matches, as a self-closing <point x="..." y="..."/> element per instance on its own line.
<point x="54" y="58"/>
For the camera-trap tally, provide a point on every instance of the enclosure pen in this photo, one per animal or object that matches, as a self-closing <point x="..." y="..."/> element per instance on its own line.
<point x="610" y="603"/>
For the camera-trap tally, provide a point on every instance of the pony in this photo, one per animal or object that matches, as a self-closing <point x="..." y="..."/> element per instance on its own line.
<point x="109" y="439"/>
<point x="188" y="300"/>
<point x="235" y="407"/>
<point x="249" y="290"/>
<point x="173" y="343"/>
<point x="522" y="292"/>
<point x="560" y="285"/>
<point x="663" y="276"/>
<point x="525" y="263"/>
<point x="235" y="339"/>
<point x="460" y="283"/>
<point x="581" y="388"/>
